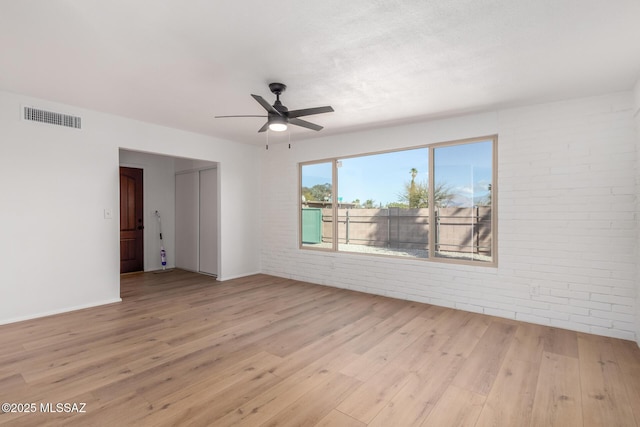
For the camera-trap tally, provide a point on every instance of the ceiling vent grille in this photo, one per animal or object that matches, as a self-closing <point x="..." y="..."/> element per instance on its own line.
<point x="49" y="117"/>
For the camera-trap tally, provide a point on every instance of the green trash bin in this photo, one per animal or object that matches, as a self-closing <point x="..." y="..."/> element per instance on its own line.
<point x="311" y="225"/>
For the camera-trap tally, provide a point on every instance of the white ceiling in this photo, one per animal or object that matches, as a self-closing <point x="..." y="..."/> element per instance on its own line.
<point x="377" y="62"/>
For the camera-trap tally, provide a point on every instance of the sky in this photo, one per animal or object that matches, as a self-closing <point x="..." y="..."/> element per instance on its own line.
<point x="465" y="169"/>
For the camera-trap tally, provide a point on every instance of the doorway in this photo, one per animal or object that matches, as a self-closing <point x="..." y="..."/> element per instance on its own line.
<point x="164" y="196"/>
<point x="131" y="220"/>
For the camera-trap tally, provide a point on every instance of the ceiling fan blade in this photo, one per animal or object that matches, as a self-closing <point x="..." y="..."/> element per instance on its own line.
<point x="310" y="111"/>
<point x="304" y="124"/>
<point x="265" y="104"/>
<point x="225" y="117"/>
<point x="264" y="127"/>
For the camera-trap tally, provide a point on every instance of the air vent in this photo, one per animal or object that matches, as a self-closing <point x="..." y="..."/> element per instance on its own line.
<point x="42" y="116"/>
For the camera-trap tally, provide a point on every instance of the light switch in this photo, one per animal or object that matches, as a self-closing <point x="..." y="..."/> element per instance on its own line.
<point x="108" y="213"/>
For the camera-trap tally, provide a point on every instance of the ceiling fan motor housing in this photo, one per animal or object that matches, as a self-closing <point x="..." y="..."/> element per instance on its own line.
<point x="280" y="108"/>
<point x="277" y="88"/>
<point x="276" y="118"/>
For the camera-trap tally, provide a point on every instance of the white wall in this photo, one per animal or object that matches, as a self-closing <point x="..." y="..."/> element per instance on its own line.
<point x="58" y="252"/>
<point x="636" y="115"/>
<point x="187" y="221"/>
<point x="566" y="221"/>
<point x="208" y="221"/>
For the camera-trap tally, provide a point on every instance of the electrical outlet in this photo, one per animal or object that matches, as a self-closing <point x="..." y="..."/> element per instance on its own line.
<point x="108" y="213"/>
<point x="534" y="290"/>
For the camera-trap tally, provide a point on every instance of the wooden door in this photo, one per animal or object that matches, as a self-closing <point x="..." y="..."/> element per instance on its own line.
<point x="131" y="220"/>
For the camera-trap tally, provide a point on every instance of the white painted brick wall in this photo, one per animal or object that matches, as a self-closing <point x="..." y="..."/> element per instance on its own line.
<point x="567" y="226"/>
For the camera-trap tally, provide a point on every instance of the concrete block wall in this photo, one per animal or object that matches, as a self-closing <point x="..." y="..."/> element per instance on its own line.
<point x="567" y="229"/>
<point x="460" y="229"/>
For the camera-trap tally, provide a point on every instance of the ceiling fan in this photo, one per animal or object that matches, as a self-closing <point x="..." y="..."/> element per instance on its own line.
<point x="279" y="117"/>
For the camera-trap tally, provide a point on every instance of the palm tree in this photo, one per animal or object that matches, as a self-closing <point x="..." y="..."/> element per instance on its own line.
<point x="414" y="198"/>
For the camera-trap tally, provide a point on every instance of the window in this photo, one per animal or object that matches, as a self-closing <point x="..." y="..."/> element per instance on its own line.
<point x="382" y="209"/>
<point x="383" y="203"/>
<point x="463" y="178"/>
<point x="316" y="216"/>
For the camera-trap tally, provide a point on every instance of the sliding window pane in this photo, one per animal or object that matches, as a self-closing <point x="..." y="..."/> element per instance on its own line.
<point x="463" y="176"/>
<point x="382" y="203"/>
<point x="316" y="205"/>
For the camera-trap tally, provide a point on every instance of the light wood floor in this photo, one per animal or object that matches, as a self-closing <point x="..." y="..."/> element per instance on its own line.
<point x="182" y="349"/>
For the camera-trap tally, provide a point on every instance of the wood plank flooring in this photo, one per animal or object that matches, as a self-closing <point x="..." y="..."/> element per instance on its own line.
<point x="183" y="349"/>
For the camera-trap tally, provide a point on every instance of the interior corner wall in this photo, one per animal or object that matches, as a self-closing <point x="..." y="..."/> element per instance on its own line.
<point x="59" y="252"/>
<point x="158" y="195"/>
<point x="566" y="218"/>
<point x="636" y="116"/>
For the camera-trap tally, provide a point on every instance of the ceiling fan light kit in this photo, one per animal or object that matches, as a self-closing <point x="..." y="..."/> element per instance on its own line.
<point x="279" y="116"/>
<point x="277" y="127"/>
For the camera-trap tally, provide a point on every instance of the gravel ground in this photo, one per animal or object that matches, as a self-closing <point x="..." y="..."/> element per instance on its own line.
<point x="412" y="253"/>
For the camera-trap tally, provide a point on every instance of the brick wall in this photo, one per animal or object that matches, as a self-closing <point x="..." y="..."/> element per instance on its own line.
<point x="567" y="194"/>
<point x="567" y="232"/>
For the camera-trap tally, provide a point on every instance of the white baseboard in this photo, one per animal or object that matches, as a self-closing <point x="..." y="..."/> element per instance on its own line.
<point x="59" y="311"/>
<point x="224" y="278"/>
